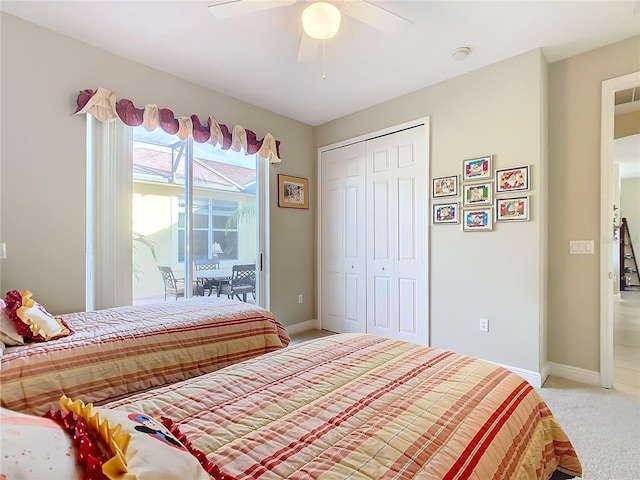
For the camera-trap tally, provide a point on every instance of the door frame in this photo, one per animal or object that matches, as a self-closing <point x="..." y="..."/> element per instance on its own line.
<point x="362" y="138"/>
<point x="609" y="89"/>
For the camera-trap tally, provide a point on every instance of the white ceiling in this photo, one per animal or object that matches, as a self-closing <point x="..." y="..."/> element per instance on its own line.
<point x="253" y="57"/>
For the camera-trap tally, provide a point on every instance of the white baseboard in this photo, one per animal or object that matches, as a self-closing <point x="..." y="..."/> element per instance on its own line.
<point x="575" y="374"/>
<point x="536" y="379"/>
<point x="302" y="327"/>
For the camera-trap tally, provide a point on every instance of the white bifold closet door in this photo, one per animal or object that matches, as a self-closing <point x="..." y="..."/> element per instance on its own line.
<point x="396" y="200"/>
<point x="373" y="236"/>
<point x="342" y="237"/>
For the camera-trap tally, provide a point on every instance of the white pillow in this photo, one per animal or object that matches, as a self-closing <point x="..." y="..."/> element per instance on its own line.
<point x="36" y="447"/>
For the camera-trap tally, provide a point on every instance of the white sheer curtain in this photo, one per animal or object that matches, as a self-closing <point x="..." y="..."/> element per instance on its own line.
<point x="109" y="194"/>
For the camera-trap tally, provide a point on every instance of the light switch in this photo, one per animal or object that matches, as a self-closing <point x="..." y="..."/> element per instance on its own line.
<point x="3" y="250"/>
<point x="581" y="247"/>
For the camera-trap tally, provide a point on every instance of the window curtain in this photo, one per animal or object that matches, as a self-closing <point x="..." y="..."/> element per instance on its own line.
<point x="109" y="193"/>
<point x="102" y="104"/>
<point x="109" y="182"/>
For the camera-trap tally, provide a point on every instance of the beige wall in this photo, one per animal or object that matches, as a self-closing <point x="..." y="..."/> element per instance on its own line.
<point x="575" y="86"/>
<point x="626" y="124"/>
<point x="498" y="110"/>
<point x="42" y="198"/>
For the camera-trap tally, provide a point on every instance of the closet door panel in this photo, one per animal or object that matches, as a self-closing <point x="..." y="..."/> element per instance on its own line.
<point x="407" y="217"/>
<point x="412" y="176"/>
<point x="381" y="237"/>
<point x="408" y="306"/>
<point x="382" y="293"/>
<point x="354" y="261"/>
<point x="381" y="222"/>
<point x="331" y="238"/>
<point x="343" y="260"/>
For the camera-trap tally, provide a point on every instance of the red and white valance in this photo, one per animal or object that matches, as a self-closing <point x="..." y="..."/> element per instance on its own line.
<point x="102" y="104"/>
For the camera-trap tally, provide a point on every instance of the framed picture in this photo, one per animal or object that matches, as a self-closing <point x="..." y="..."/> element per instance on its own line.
<point x="512" y="179"/>
<point x="446" y="213"/>
<point x="445" y="187"/>
<point x="516" y="208"/>
<point x="477" y="194"/>
<point x="293" y="192"/>
<point x="476" y="168"/>
<point x="477" y="220"/>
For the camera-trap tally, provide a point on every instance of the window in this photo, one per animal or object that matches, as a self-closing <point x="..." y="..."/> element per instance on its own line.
<point x="214" y="224"/>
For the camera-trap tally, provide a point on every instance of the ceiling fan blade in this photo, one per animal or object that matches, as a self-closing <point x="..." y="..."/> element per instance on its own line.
<point x="377" y="17"/>
<point x="233" y="8"/>
<point x="308" y="50"/>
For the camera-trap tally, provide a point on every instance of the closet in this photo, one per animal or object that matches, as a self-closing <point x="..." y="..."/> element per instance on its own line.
<point x="373" y="251"/>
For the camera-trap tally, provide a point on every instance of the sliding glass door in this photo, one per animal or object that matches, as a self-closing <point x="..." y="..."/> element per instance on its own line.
<point x="191" y="202"/>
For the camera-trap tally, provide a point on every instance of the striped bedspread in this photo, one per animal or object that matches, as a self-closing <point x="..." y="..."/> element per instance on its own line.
<point x="361" y="407"/>
<point x="117" y="351"/>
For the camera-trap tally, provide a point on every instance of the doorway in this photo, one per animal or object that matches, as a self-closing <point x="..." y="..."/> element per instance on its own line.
<point x="609" y="278"/>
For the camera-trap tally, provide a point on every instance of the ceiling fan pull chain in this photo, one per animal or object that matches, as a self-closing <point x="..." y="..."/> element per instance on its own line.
<point x="324" y="57"/>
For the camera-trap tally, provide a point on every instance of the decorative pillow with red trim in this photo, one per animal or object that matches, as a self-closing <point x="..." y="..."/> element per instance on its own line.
<point x="138" y="447"/>
<point x="32" y="320"/>
<point x="36" y="447"/>
<point x="8" y="332"/>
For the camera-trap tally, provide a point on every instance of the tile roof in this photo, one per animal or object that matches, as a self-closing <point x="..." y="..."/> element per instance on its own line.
<point x="209" y="173"/>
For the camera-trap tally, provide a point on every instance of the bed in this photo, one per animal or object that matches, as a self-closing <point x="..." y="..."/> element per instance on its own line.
<point x="118" y="351"/>
<point x="358" y="407"/>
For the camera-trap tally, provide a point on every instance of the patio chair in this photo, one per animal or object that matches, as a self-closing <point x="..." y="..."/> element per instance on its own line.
<point x="242" y="282"/>
<point x="172" y="285"/>
<point x="207" y="264"/>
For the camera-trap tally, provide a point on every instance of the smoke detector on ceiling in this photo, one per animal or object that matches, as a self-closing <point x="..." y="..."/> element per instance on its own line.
<point x="461" y="53"/>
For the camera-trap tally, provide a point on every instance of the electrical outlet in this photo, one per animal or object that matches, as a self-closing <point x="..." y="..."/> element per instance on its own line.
<point x="300" y="298"/>
<point x="484" y="324"/>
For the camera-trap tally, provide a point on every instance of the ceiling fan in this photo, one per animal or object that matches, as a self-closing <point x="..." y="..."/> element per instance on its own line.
<point x="362" y="10"/>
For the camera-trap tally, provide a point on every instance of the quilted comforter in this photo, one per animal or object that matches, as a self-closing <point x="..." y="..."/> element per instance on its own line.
<point x="118" y="351"/>
<point x="361" y="407"/>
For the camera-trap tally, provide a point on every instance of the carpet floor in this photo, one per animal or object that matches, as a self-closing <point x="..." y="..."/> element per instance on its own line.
<point x="603" y="425"/>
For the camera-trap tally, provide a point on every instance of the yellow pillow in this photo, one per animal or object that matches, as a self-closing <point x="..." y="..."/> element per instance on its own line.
<point x="35" y="447"/>
<point x="140" y="447"/>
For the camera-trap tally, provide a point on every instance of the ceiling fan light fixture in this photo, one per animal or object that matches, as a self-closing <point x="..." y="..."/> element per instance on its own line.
<point x="321" y="20"/>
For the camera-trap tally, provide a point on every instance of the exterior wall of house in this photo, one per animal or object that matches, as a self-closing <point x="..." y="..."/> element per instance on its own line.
<point x="43" y="158"/>
<point x="497" y="110"/>
<point x="156" y="218"/>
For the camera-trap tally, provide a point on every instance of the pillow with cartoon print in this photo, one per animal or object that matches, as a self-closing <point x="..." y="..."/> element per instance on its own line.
<point x="141" y="447"/>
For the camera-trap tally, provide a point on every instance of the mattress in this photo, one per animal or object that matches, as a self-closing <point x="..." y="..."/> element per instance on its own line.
<point x="356" y="406"/>
<point x="118" y="351"/>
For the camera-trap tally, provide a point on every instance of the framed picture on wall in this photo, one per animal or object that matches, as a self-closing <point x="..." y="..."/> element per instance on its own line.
<point x="476" y="168"/>
<point x="293" y="192"/>
<point x="508" y="209"/>
<point x="445" y="187"/>
<point x="512" y="179"/>
<point x="444" y="213"/>
<point x="477" y="220"/>
<point x="477" y="193"/>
